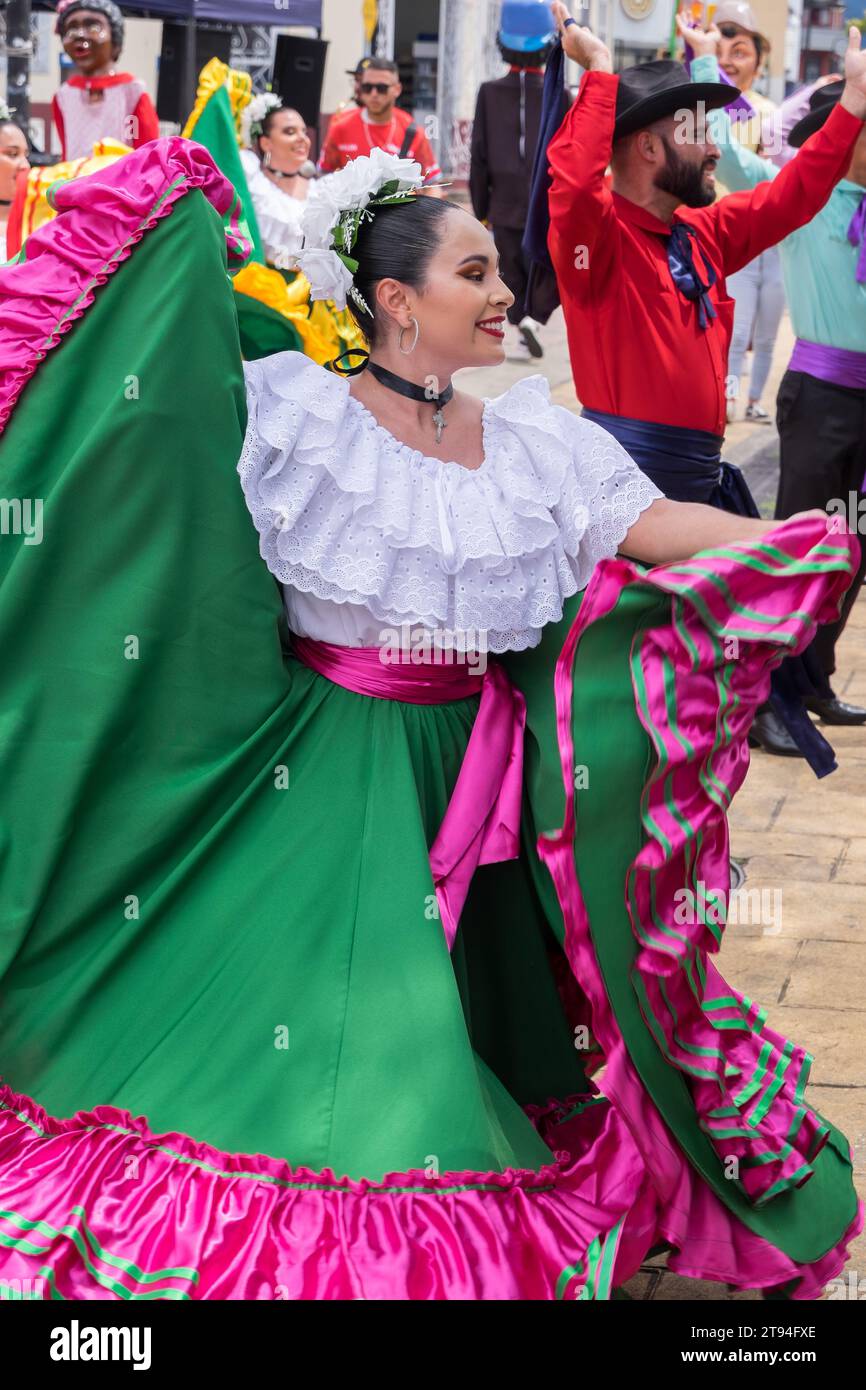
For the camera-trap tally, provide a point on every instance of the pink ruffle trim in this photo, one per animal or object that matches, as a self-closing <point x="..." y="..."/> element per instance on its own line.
<point x="98" y="1206"/>
<point x="102" y="217"/>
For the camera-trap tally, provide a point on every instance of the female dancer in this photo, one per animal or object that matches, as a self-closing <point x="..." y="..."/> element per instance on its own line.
<point x="273" y="306"/>
<point x="277" y="149"/>
<point x="13" y="160"/>
<point x="299" y="912"/>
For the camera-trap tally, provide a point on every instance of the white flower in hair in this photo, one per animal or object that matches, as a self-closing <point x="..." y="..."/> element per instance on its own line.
<point x="255" y="114"/>
<point x="330" y="221"/>
<point x="329" y="278"/>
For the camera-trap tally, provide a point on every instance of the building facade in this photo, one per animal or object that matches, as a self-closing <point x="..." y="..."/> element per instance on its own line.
<point x="823" y="41"/>
<point x="447" y="48"/>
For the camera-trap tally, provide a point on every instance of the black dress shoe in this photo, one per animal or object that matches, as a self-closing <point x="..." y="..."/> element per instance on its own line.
<point x="835" y="711"/>
<point x="768" y="732"/>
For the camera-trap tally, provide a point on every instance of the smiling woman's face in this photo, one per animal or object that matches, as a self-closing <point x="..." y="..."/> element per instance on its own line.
<point x="287" y="141"/>
<point x="461" y="310"/>
<point x="13" y="158"/>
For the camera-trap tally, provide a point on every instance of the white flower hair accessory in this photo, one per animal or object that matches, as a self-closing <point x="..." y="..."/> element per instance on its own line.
<point x="332" y="219"/>
<point x="256" y="113"/>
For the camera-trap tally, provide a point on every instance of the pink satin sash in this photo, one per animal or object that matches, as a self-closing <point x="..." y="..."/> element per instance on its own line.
<point x="482" y="822"/>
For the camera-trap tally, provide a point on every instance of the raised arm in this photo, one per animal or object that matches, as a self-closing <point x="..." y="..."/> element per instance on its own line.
<point x="745" y="224"/>
<point x="583" y="225"/>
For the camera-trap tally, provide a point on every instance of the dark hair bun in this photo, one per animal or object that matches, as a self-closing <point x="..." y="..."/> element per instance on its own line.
<point x="398" y="243"/>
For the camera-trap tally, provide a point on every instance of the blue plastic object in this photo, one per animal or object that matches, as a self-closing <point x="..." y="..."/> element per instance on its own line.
<point x="526" y="25"/>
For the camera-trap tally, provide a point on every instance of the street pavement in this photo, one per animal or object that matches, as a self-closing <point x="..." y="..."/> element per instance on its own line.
<point x="795" y="837"/>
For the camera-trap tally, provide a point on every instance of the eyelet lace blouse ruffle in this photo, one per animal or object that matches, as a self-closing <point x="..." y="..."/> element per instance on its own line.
<point x="349" y="514"/>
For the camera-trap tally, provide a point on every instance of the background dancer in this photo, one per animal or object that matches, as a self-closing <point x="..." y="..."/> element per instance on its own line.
<point x="379" y="123"/>
<point x="642" y="266"/>
<point x="279" y="173"/>
<point x="504" y="141"/>
<point x="757" y="289"/>
<point x="14" y="161"/>
<point x="821" y="405"/>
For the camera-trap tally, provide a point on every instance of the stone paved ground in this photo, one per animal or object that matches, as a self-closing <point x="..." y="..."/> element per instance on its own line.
<point x="789" y="832"/>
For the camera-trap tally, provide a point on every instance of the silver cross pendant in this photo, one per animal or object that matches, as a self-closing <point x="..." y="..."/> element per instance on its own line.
<point x="440" y="423"/>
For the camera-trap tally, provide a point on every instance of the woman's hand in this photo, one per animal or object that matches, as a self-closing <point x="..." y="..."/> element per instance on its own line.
<point x="670" y="531"/>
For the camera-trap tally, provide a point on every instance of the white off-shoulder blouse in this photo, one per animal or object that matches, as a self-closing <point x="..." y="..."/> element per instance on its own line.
<point x="365" y="534"/>
<point x="278" y="214"/>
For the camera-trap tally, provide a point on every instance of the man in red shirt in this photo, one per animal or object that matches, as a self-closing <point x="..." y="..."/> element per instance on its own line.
<point x="664" y="356"/>
<point x="641" y="266"/>
<point x="379" y="122"/>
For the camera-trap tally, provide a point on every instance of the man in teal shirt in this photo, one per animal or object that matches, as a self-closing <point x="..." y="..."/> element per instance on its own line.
<point x="821" y="405"/>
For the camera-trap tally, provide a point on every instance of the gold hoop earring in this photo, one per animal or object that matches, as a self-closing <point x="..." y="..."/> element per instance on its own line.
<point x="408" y="350"/>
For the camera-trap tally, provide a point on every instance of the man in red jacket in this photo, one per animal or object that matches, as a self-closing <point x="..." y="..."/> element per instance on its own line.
<point x="641" y="264"/>
<point x="380" y="121"/>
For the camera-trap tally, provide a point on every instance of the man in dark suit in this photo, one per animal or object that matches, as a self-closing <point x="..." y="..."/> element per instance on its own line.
<point x="504" y="140"/>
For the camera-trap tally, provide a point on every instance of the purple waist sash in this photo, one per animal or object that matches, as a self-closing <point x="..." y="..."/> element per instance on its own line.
<point x="840" y="366"/>
<point x="482" y="822"/>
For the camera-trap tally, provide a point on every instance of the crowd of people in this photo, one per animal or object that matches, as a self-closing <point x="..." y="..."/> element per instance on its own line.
<point x="362" y="737"/>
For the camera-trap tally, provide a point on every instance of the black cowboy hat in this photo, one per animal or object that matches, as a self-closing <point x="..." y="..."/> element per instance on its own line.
<point x="649" y="91"/>
<point x="821" y="103"/>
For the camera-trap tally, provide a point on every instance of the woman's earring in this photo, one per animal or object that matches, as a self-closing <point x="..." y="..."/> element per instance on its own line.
<point x="406" y="351"/>
<point x="267" y="159"/>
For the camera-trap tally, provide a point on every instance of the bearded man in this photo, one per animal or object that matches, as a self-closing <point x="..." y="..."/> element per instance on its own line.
<point x="641" y="264"/>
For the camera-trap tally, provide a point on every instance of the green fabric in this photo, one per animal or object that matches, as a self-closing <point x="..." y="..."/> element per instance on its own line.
<point x="215" y="129"/>
<point x="264" y="330"/>
<point x="261" y="908"/>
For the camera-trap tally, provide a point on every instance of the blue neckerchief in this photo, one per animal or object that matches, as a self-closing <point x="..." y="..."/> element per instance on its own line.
<point x="685" y="274"/>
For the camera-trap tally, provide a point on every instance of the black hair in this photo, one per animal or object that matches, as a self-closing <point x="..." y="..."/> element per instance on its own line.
<point x="379" y="65"/>
<point x="398" y="243"/>
<point x="267" y="123"/>
<point x="518" y="59"/>
<point x="10" y="120"/>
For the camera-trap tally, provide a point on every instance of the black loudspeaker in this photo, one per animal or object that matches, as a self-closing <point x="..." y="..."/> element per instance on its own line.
<point x="173" y="100"/>
<point x="299" y="74"/>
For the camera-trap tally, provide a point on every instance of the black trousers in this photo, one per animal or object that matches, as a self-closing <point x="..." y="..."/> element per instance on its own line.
<point x="514" y="269"/>
<point x="822" y="435"/>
